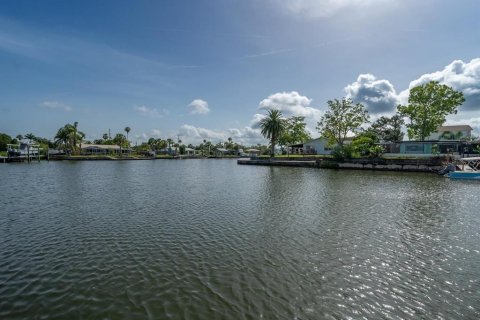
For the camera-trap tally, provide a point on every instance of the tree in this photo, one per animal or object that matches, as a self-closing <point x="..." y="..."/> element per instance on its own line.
<point x="30" y="137"/>
<point x="273" y="126"/>
<point x="342" y="118"/>
<point x="121" y="141"/>
<point x="295" y="132"/>
<point x="68" y="136"/>
<point x="428" y="105"/>
<point x="389" y="129"/>
<point x="4" y="140"/>
<point x="105" y="136"/>
<point x="127" y="130"/>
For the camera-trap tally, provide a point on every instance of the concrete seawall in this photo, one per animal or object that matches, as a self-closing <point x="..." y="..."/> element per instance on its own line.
<point x="401" y="165"/>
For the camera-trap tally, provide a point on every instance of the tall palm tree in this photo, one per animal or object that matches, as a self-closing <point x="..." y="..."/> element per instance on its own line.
<point x="120" y="141"/>
<point x="127" y="130"/>
<point x="30" y="137"/>
<point x="273" y="125"/>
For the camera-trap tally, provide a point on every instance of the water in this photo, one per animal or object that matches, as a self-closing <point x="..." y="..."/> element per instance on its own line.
<point x="208" y="239"/>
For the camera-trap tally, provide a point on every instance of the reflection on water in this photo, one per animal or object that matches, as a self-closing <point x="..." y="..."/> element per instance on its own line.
<point x="207" y="239"/>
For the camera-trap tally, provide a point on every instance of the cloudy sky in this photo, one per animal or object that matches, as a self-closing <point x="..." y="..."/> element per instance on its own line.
<point x="210" y="69"/>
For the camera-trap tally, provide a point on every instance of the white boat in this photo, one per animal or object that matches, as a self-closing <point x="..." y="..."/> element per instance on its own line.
<point x="467" y="168"/>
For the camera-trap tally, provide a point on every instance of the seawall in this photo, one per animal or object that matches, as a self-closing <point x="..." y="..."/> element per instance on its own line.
<point x="432" y="165"/>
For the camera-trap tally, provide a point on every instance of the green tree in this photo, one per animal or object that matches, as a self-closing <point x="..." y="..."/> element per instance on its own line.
<point x="273" y="126"/>
<point x="30" y="137"/>
<point x="342" y="118"/>
<point x="389" y="129"/>
<point x="127" y="130"/>
<point x="295" y="131"/>
<point x="121" y="141"/>
<point x="428" y="105"/>
<point x="4" y="140"/>
<point x="105" y="136"/>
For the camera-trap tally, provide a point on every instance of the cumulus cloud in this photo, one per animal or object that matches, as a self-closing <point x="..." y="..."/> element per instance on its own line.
<point x="196" y="135"/>
<point x="199" y="106"/>
<point x="378" y="95"/>
<point x="150" y="112"/>
<point x="461" y="76"/>
<point x="324" y="8"/>
<point x="55" y="105"/>
<point x="290" y="103"/>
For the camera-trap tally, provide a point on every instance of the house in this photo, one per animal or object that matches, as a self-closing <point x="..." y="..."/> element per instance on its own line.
<point x="190" y="151"/>
<point x="458" y="132"/>
<point x="319" y="146"/>
<point x="102" y="149"/>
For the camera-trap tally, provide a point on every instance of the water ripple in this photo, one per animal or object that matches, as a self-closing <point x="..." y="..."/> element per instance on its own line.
<point x="206" y="239"/>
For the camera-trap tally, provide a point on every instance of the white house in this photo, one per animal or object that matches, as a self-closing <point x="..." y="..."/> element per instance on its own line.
<point x="317" y="146"/>
<point x="459" y="132"/>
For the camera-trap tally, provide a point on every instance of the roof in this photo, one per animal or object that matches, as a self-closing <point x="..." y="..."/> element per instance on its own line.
<point x="252" y="150"/>
<point x="222" y="150"/>
<point x="461" y="127"/>
<point x="100" y="146"/>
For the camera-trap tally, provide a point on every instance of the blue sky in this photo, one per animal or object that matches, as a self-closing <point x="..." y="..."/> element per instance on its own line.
<point x="209" y="69"/>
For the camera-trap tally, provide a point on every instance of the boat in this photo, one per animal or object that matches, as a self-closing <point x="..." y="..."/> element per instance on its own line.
<point x="466" y="168"/>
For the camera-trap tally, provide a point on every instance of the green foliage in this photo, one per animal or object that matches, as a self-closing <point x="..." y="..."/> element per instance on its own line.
<point x="68" y="136"/>
<point x="295" y="131"/>
<point x="428" y="105"/>
<point x="376" y="151"/>
<point x="342" y="152"/>
<point x="362" y="145"/>
<point x="4" y="140"/>
<point x="273" y="126"/>
<point x="343" y="117"/>
<point x="120" y="140"/>
<point x="388" y="129"/>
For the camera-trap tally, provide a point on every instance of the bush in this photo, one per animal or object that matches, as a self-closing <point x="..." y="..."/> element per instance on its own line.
<point x="340" y="153"/>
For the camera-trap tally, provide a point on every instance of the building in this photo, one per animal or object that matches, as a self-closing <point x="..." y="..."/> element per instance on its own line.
<point x="102" y="149"/>
<point x="458" y="132"/>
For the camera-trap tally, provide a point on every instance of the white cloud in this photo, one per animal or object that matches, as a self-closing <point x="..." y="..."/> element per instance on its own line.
<point x="324" y="8"/>
<point x="290" y="103"/>
<point x="150" y="112"/>
<point x="462" y="76"/>
<point x="379" y="96"/>
<point x="196" y="135"/>
<point x="199" y="106"/>
<point x="55" y="105"/>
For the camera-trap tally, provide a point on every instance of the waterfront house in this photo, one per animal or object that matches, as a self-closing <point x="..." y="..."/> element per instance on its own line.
<point x="457" y="132"/>
<point x="102" y="149"/>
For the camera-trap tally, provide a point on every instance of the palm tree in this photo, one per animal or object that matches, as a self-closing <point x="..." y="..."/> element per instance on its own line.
<point x="19" y="137"/>
<point x="272" y="127"/>
<point x="30" y="137"/>
<point x="105" y="136"/>
<point x="127" y="130"/>
<point x="120" y="141"/>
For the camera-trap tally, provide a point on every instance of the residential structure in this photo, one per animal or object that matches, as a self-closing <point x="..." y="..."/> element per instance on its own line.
<point x="458" y="132"/>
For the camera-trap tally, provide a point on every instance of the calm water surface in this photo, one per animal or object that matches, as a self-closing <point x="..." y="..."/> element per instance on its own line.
<point x="208" y="239"/>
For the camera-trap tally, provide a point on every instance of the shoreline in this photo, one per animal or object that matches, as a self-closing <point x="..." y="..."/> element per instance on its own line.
<point x="430" y="165"/>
